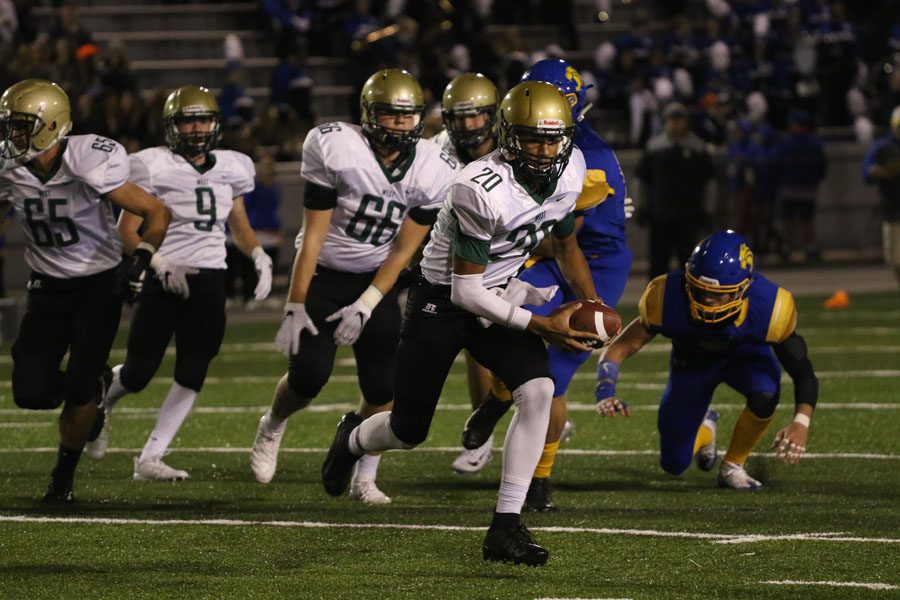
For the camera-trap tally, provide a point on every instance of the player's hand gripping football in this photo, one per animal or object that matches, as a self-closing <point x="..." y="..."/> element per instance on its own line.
<point x="556" y="330"/>
<point x="263" y="264"/>
<point x="790" y="442"/>
<point x="172" y="276"/>
<point x="353" y="318"/>
<point x="295" y="320"/>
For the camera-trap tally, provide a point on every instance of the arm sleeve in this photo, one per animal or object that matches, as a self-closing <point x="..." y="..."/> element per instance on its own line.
<point x="424" y="216"/>
<point x="792" y="354"/>
<point x="468" y="292"/>
<point x="318" y="197"/>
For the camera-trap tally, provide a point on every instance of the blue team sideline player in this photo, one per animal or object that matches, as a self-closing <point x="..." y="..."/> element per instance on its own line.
<point x="601" y="214"/>
<point x="727" y="325"/>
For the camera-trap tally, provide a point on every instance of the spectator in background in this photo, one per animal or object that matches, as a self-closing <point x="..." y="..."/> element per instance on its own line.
<point x="799" y="165"/>
<point x="742" y="162"/>
<point x="262" y="212"/>
<point x="292" y="84"/>
<point x="881" y="167"/>
<point x="674" y="171"/>
<point x="9" y="23"/>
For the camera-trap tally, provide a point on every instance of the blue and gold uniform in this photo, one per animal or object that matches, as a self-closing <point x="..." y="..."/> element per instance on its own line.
<point x="736" y="352"/>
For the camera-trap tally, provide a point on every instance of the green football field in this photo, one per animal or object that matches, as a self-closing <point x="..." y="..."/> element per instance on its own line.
<point x="827" y="528"/>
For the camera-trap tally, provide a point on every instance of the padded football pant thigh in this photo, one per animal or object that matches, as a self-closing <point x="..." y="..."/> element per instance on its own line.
<point x="376" y="352"/>
<point x="199" y="329"/>
<point x="41" y="343"/>
<point x="684" y="404"/>
<point x="152" y="327"/>
<point x="755" y="372"/>
<point x="96" y="322"/>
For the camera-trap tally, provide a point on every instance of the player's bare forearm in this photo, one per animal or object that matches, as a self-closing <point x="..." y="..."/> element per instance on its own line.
<point x="154" y="213"/>
<point x="129" y="227"/>
<point x="574" y="267"/>
<point x="407" y="242"/>
<point x="241" y="232"/>
<point x="315" y="230"/>
<point x="634" y="337"/>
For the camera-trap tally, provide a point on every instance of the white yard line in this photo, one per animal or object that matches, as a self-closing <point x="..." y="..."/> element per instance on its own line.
<point x="713" y="537"/>
<point x="850" y="584"/>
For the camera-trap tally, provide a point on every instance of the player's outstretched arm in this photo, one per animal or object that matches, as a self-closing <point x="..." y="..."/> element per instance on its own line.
<point x="791" y="442"/>
<point x="152" y="211"/>
<point x="573" y="265"/>
<point x="634" y="337"/>
<point x="245" y="239"/>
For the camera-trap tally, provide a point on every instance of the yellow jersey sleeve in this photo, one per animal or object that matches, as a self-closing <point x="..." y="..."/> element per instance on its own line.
<point x="784" y="317"/>
<point x="651" y="304"/>
<point x="596" y="189"/>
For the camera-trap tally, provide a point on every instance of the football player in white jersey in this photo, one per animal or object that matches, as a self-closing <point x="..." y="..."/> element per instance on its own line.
<point x="498" y="209"/>
<point x="204" y="188"/>
<point x="372" y="193"/>
<point x="65" y="187"/>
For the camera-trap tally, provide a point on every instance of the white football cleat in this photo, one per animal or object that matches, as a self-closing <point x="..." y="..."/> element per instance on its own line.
<point x="154" y="469"/>
<point x="706" y="455"/>
<point x="264" y="454"/>
<point x="568" y="430"/>
<point x="472" y="461"/>
<point x="366" y="491"/>
<point x="734" y="476"/>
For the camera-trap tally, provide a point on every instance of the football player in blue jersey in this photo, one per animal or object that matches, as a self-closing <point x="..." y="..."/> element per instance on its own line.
<point x="601" y="211"/>
<point x="728" y="325"/>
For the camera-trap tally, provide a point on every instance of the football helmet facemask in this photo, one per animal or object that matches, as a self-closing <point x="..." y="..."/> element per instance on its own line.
<point x="392" y="91"/>
<point x="717" y="276"/>
<point x="189" y="104"/>
<point x="34" y="115"/>
<point x="566" y="78"/>
<point x="469" y="95"/>
<point x="532" y="114"/>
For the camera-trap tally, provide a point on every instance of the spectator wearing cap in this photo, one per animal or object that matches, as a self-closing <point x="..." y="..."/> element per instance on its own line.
<point x="881" y="167"/>
<point x="799" y="166"/>
<point x="673" y="170"/>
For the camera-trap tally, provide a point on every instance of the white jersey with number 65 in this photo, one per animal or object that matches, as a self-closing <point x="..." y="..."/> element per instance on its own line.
<point x="371" y="202"/>
<point x="200" y="199"/>
<point x="69" y="230"/>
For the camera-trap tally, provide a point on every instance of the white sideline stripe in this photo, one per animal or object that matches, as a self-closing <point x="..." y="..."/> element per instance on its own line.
<point x="821" y="536"/>
<point x="454" y="449"/>
<point x="137" y="413"/>
<point x="851" y="584"/>
<point x="26" y="425"/>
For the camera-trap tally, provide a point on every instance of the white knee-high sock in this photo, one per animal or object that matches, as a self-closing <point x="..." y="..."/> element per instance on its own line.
<point x="116" y="389"/>
<point x="375" y="435"/>
<point x="524" y="442"/>
<point x="367" y="467"/>
<point x="175" y="409"/>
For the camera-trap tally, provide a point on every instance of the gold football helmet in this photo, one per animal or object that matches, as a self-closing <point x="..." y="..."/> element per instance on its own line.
<point x="191" y="103"/>
<point x="392" y="91"/>
<point x="535" y="113"/>
<point x="34" y="115"/>
<point x="469" y="95"/>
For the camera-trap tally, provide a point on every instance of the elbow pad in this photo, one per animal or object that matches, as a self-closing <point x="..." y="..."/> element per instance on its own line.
<point x="468" y="292"/>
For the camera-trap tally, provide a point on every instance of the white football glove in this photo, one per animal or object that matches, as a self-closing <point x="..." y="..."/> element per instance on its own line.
<point x="263" y="264"/>
<point x="354" y="317"/>
<point x="520" y="293"/>
<point x="172" y="276"/>
<point x="295" y="320"/>
<point x="629" y="207"/>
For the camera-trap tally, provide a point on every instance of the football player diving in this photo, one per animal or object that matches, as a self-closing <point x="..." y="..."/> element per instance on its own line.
<point x="372" y="193"/>
<point x="65" y="187"/>
<point x="728" y="325"/>
<point x="600" y="215"/>
<point x="204" y="188"/>
<point x="499" y="208"/>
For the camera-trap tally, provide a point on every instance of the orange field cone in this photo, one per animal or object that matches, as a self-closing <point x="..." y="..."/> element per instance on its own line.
<point x="839" y="299"/>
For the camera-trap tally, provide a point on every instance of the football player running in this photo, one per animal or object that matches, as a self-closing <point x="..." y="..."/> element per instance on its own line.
<point x="65" y="187"/>
<point x="728" y="325"/>
<point x="600" y="215"/>
<point x="498" y="209"/>
<point x="204" y="188"/>
<point x="372" y="193"/>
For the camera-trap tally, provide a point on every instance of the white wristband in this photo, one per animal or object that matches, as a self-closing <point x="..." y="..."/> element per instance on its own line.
<point x="142" y="245"/>
<point x="256" y="252"/>
<point x="371" y="297"/>
<point x="802" y="419"/>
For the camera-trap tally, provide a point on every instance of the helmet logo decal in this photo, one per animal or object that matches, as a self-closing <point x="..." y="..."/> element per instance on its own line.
<point x="551" y="124"/>
<point x="746" y="257"/>
<point x="573" y="75"/>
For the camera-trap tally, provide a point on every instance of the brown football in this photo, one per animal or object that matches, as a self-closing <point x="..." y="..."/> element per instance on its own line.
<point x="595" y="317"/>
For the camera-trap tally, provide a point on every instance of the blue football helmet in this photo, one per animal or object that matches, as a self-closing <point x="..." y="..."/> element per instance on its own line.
<point x="717" y="275"/>
<point x="566" y="78"/>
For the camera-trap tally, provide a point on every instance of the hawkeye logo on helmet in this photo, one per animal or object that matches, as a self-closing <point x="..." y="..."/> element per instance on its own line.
<point x="572" y="75"/>
<point x="746" y="257"/>
<point x="550" y="124"/>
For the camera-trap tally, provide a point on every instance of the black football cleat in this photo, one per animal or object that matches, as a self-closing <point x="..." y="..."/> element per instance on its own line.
<point x="513" y="545"/>
<point x="539" y="497"/>
<point x="480" y="424"/>
<point x="338" y="466"/>
<point x="58" y="493"/>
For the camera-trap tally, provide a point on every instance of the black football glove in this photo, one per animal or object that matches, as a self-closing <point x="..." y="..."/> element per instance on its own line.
<point x="132" y="273"/>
